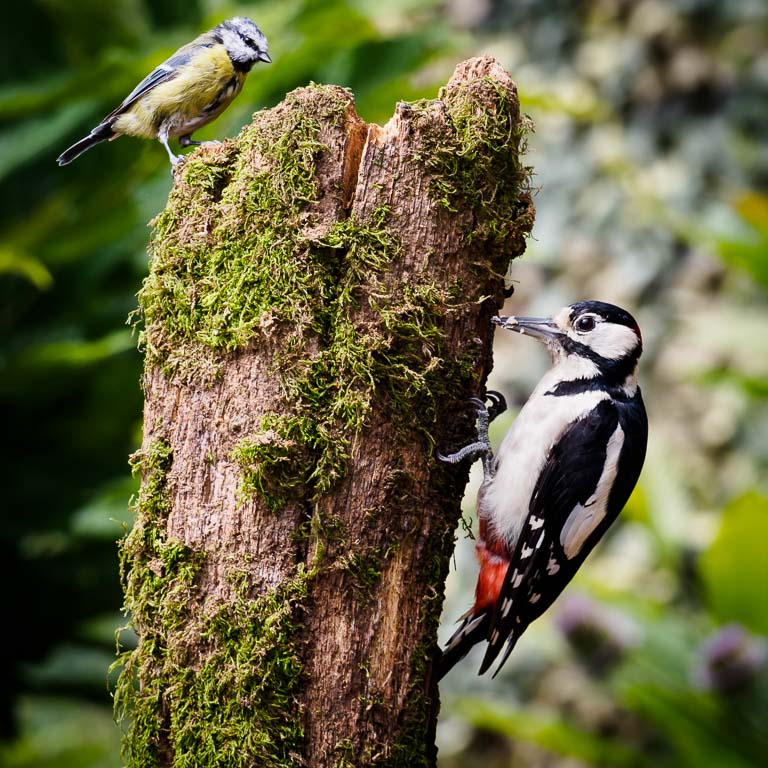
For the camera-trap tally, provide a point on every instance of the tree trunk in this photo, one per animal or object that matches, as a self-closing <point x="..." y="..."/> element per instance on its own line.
<point x="315" y="318"/>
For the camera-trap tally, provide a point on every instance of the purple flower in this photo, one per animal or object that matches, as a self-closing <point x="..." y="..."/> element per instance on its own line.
<point x="729" y="660"/>
<point x="598" y="635"/>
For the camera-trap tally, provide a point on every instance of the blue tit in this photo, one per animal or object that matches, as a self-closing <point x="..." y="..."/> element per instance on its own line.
<point x="186" y="92"/>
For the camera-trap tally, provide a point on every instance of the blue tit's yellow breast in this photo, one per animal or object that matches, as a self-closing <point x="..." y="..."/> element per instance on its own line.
<point x="201" y="90"/>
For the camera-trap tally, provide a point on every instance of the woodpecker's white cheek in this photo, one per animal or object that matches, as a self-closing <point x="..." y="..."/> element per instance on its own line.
<point x="584" y="519"/>
<point x="612" y="341"/>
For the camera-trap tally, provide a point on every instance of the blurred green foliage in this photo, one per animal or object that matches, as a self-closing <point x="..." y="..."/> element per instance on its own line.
<point x="652" y="167"/>
<point x="737" y="558"/>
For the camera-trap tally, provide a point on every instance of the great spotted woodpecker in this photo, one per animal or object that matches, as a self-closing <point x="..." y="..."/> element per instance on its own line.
<point x="561" y="476"/>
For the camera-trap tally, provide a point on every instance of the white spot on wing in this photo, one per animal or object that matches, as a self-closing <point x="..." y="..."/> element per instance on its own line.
<point x="584" y="519"/>
<point x="552" y="566"/>
<point x="535" y="522"/>
<point x="527" y="552"/>
<point x="534" y="598"/>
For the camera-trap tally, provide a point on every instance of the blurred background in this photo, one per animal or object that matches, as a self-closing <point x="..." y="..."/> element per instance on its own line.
<point x="651" y="166"/>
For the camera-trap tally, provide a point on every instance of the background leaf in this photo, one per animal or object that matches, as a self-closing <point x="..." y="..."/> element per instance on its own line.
<point x="735" y="567"/>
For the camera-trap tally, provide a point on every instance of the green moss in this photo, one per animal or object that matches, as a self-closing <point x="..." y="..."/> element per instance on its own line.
<point x="345" y="754"/>
<point x="157" y="571"/>
<point x="229" y="257"/>
<point x="288" y="455"/>
<point x="235" y="707"/>
<point x="158" y="575"/>
<point x="239" y="706"/>
<point x="236" y="703"/>
<point x="477" y="164"/>
<point x="364" y="569"/>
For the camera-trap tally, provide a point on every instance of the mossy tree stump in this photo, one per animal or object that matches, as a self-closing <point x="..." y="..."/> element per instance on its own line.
<point x="315" y="317"/>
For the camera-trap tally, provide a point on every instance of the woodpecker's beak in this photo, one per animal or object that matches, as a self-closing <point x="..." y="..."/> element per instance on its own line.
<point x="265" y="57"/>
<point x="543" y="328"/>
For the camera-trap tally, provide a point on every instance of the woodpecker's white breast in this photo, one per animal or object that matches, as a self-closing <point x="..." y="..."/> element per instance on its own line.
<point x="505" y="498"/>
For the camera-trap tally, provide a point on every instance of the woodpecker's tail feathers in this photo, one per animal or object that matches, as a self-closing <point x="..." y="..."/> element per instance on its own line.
<point x="492" y="652"/>
<point x="100" y="133"/>
<point x="472" y="631"/>
<point x="511" y="643"/>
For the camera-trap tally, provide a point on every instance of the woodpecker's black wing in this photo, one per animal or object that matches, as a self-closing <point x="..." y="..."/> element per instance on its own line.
<point x="540" y="568"/>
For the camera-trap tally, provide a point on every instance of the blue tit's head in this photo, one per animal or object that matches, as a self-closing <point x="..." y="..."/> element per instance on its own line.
<point x="244" y="41"/>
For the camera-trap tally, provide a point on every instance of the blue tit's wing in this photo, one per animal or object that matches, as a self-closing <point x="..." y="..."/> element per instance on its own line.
<point x="567" y="516"/>
<point x="162" y="73"/>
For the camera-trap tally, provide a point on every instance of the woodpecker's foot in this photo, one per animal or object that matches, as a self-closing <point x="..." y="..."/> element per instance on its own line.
<point x="474" y="450"/>
<point x="481" y="448"/>
<point x="498" y="404"/>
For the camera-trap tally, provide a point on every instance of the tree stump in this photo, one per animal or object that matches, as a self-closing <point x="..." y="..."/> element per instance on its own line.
<point x="316" y="315"/>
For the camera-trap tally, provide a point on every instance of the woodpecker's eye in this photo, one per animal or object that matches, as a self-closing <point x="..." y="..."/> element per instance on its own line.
<point x="585" y="324"/>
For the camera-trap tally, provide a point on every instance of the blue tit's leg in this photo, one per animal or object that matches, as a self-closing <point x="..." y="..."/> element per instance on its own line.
<point x="481" y="448"/>
<point x="188" y="141"/>
<point x="162" y="137"/>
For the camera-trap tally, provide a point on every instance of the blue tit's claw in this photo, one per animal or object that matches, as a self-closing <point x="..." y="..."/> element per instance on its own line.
<point x="176" y="162"/>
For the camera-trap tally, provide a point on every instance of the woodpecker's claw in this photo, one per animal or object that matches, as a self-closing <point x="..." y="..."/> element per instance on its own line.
<point x="481" y="448"/>
<point x="498" y="404"/>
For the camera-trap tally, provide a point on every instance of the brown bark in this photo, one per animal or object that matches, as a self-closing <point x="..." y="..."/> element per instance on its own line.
<point x="352" y="566"/>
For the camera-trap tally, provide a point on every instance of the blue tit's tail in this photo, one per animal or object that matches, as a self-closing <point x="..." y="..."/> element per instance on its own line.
<point x="98" y="134"/>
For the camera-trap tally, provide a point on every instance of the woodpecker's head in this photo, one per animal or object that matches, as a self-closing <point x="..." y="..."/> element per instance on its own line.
<point x="244" y="41"/>
<point x="598" y="339"/>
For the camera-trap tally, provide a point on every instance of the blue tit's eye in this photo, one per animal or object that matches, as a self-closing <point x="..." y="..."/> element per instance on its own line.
<point x="585" y="324"/>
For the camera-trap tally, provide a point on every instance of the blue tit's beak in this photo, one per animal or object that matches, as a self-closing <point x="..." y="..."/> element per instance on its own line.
<point x="543" y="328"/>
<point x="265" y="57"/>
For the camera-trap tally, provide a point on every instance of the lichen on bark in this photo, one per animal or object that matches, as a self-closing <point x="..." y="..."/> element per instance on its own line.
<point x="317" y="305"/>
